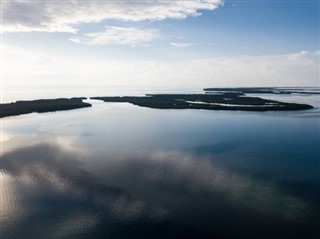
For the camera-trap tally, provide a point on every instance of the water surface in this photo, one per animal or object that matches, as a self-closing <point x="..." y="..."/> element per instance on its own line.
<point x="121" y="171"/>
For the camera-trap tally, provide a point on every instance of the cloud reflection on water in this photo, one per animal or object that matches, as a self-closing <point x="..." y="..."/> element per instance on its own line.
<point x="56" y="189"/>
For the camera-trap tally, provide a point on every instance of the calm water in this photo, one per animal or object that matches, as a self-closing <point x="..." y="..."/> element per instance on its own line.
<point x="120" y="171"/>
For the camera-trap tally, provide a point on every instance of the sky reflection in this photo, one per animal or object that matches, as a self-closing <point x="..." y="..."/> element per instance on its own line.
<point x="173" y="193"/>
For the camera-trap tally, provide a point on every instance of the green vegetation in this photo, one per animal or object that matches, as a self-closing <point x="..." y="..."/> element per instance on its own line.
<point x="223" y="101"/>
<point x="40" y="106"/>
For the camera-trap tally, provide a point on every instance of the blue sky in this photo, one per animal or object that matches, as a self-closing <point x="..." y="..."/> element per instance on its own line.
<point x="202" y="43"/>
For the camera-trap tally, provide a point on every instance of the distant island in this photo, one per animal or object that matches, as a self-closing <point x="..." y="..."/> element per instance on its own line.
<point x="267" y="90"/>
<point x="41" y="106"/>
<point x="220" y="101"/>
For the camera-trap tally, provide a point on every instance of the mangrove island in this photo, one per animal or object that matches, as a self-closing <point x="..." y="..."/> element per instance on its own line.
<point x="221" y="101"/>
<point x="41" y="106"/>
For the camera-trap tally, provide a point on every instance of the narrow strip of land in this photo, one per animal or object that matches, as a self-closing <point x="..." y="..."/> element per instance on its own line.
<point x="267" y="90"/>
<point x="41" y="106"/>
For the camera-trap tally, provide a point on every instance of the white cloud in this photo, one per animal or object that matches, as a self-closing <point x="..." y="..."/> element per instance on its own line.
<point x="65" y="16"/>
<point x="180" y="44"/>
<point x="298" y="55"/>
<point x="118" y="36"/>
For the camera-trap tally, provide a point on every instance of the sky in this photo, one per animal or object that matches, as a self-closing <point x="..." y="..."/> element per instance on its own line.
<point x="205" y="43"/>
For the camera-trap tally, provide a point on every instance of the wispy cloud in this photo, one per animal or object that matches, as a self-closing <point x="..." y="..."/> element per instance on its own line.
<point x="180" y="44"/>
<point x="65" y="16"/>
<point x="118" y="36"/>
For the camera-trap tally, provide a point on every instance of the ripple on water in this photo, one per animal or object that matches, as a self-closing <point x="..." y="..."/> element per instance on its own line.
<point x="10" y="207"/>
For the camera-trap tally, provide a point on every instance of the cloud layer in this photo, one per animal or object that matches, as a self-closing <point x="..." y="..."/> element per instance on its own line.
<point x="23" y="67"/>
<point x="65" y="16"/>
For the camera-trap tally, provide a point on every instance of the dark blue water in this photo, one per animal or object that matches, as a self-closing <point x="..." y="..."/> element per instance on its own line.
<point x="122" y="171"/>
